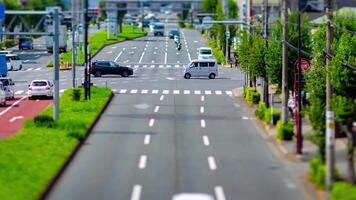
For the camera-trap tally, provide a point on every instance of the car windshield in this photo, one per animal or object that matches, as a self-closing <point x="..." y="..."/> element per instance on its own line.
<point x="39" y="83"/>
<point x="5" y="82"/>
<point x="159" y="27"/>
<point x="205" y="51"/>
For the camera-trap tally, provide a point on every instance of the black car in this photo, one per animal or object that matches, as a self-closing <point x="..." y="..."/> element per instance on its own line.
<point x="25" y="43"/>
<point x="173" y="33"/>
<point x="99" y="68"/>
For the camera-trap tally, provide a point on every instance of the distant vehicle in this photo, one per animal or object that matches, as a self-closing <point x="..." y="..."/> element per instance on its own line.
<point x="146" y="23"/>
<point x="173" y="33"/>
<point x="204" y="53"/>
<point x="201" y="68"/>
<point x="8" y="87"/>
<point x="128" y="19"/>
<point x="176" y="39"/>
<point x="151" y="26"/>
<point x="187" y="196"/>
<point x="158" y="29"/>
<point x="40" y="88"/>
<point x="2" y="95"/>
<point x="63" y="37"/>
<point x="313" y="5"/>
<point x="3" y="66"/>
<point x="25" y="43"/>
<point x="13" y="62"/>
<point x="99" y="68"/>
<point x="5" y="52"/>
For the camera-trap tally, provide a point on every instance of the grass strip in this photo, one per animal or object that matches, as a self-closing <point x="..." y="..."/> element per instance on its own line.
<point x="99" y="40"/>
<point x="31" y="158"/>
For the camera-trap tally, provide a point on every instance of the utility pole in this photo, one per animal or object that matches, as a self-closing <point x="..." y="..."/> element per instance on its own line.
<point x="227" y="31"/>
<point x="85" y="24"/>
<point x="142" y="15"/>
<point x="285" y="90"/>
<point x="265" y="35"/>
<point x="73" y="43"/>
<point x="330" y="124"/>
<point x="298" y="118"/>
<point x="56" y="64"/>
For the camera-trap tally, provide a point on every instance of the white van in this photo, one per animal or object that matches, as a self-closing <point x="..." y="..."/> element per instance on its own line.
<point x="2" y="95"/>
<point x="202" y="68"/>
<point x="205" y="53"/>
<point x="13" y="62"/>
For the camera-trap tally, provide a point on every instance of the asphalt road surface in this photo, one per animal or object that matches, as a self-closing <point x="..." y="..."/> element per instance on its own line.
<point x="163" y="135"/>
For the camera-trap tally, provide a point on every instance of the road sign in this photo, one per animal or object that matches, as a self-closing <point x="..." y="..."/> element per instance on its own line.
<point x="227" y="33"/>
<point x="207" y="26"/>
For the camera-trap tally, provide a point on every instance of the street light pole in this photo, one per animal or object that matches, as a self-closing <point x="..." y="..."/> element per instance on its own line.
<point x="73" y="43"/>
<point x="85" y="24"/>
<point x="56" y="64"/>
<point x="285" y="88"/>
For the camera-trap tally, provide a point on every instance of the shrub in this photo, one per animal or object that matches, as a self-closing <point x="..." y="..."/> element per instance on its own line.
<point x="43" y="121"/>
<point x="9" y="43"/>
<point x="260" y="111"/>
<point x="344" y="191"/>
<point x="76" y="135"/>
<point x="251" y="96"/>
<point x="285" y="131"/>
<point x="317" y="172"/>
<point x="76" y="94"/>
<point x="275" y="114"/>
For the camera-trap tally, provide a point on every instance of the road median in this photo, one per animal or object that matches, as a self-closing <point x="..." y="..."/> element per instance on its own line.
<point x="33" y="159"/>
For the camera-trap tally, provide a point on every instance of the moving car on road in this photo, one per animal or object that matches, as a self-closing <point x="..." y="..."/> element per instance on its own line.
<point x="2" y="95"/>
<point x="158" y="29"/>
<point x="25" y="43"/>
<point x="13" y="62"/>
<point x="100" y="68"/>
<point x="5" y="52"/>
<point x="173" y="33"/>
<point x="8" y="87"/>
<point x="40" y="88"/>
<point x="201" y="68"/>
<point x="205" y="53"/>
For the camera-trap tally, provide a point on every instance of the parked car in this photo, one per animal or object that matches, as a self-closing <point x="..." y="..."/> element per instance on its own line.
<point x="8" y="87"/>
<point x="173" y="33"/>
<point x="2" y="95"/>
<point x="201" y="68"/>
<point x="205" y="53"/>
<point x="99" y="68"/>
<point x="5" y="52"/>
<point x="13" y="62"/>
<point x="25" y="43"/>
<point x="40" y="88"/>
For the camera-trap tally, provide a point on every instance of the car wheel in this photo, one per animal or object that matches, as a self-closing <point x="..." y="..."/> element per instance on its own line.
<point x="20" y="67"/>
<point x="212" y="76"/>
<point x="97" y="74"/>
<point x="125" y="74"/>
<point x="187" y="76"/>
<point x="4" y="104"/>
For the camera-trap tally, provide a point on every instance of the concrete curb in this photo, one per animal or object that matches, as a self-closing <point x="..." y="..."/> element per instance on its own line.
<point x="54" y="180"/>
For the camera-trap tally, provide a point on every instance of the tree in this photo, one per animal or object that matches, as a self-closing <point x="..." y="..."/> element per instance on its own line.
<point x="209" y="6"/>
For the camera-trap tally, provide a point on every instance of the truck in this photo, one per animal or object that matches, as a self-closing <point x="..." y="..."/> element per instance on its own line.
<point x="3" y="66"/>
<point x="63" y="37"/>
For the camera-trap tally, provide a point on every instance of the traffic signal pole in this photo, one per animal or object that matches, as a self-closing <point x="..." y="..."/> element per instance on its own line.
<point x="86" y="65"/>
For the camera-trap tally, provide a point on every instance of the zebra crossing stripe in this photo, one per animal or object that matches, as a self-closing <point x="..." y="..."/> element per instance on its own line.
<point x="186" y="91"/>
<point x="207" y="92"/>
<point x="134" y="91"/>
<point x="152" y="66"/>
<point x="144" y="91"/>
<point x="176" y="91"/>
<point x="154" y="91"/>
<point x="165" y="92"/>
<point x="197" y="92"/>
<point x="228" y="93"/>
<point x="218" y="92"/>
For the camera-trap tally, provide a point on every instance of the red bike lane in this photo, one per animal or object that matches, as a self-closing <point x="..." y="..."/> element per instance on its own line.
<point x="16" y="111"/>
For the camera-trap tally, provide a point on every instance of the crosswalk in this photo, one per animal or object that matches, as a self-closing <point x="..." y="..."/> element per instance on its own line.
<point x="155" y="66"/>
<point x="23" y="92"/>
<point x="173" y="92"/>
<point x="33" y="69"/>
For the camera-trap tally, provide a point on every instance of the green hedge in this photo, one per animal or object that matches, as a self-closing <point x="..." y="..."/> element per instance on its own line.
<point x="276" y="113"/>
<point x="30" y="159"/>
<point x="285" y="131"/>
<point x="218" y="53"/>
<point x="317" y="173"/>
<point x="9" y="43"/>
<point x="251" y="96"/>
<point x="260" y="111"/>
<point x="343" y="191"/>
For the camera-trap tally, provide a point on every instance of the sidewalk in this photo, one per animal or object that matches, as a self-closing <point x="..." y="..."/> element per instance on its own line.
<point x="299" y="164"/>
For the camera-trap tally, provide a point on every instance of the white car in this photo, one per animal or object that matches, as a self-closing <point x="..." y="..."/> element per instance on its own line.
<point x="13" y="62"/>
<point x="40" y="88"/>
<point x="2" y="95"/>
<point x="5" y="52"/>
<point x="8" y="87"/>
<point x="202" y="68"/>
<point x="205" y="53"/>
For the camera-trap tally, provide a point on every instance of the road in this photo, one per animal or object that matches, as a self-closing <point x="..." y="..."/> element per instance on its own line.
<point x="163" y="135"/>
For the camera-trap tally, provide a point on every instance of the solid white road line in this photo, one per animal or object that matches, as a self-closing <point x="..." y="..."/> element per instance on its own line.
<point x="190" y="59"/>
<point x="136" y="192"/>
<point x="219" y="193"/>
<point x="161" y="98"/>
<point x="202" y="123"/>
<point x="202" y="98"/>
<point x="156" y="109"/>
<point x="118" y="56"/>
<point x="151" y="123"/>
<point x="206" y="140"/>
<point x="15" y="118"/>
<point x="212" y="164"/>
<point x="14" y="104"/>
<point x="201" y="109"/>
<point x="142" y="162"/>
<point x="143" y="53"/>
<point x="147" y="140"/>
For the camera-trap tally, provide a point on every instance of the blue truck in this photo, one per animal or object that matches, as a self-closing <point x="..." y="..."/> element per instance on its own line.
<point x="3" y="66"/>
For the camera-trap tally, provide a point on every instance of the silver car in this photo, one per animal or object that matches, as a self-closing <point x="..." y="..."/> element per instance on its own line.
<point x="2" y="95"/>
<point x="40" y="88"/>
<point x="8" y="87"/>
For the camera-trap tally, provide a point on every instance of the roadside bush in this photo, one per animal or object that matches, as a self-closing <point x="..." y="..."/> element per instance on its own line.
<point x="44" y="121"/>
<point x="260" y="111"/>
<point x="275" y="114"/>
<point x="9" y="43"/>
<point x="76" y="94"/>
<point x="285" y="131"/>
<point x="344" y="191"/>
<point x="317" y="172"/>
<point x="76" y="135"/>
<point x="251" y="96"/>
